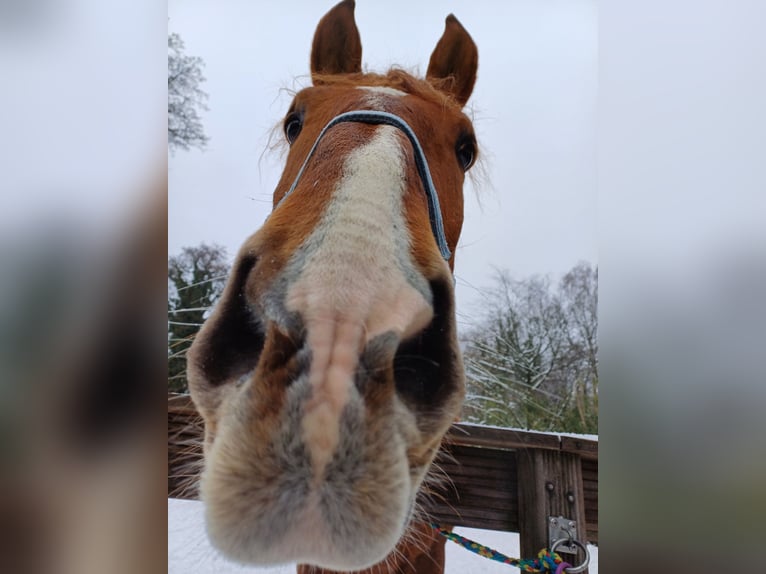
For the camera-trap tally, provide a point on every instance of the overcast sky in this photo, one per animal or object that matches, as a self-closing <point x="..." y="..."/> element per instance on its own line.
<point x="534" y="108"/>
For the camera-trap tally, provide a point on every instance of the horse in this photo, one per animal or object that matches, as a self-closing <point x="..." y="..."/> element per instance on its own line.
<point x="329" y="371"/>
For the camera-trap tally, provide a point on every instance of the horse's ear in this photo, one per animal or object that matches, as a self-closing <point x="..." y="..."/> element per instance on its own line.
<point x="454" y="62"/>
<point x="337" y="48"/>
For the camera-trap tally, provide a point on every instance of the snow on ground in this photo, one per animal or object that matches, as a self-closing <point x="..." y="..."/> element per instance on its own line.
<point x="189" y="551"/>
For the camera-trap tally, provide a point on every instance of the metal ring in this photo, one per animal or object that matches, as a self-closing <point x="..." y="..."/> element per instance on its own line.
<point x="583" y="547"/>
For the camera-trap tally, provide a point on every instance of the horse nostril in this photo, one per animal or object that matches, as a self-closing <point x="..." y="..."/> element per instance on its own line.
<point x="229" y="344"/>
<point x="424" y="363"/>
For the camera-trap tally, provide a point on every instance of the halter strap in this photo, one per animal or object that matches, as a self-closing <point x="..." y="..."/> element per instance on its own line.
<point x="377" y="117"/>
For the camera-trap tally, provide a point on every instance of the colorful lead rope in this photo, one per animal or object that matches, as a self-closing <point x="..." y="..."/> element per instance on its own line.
<point x="545" y="561"/>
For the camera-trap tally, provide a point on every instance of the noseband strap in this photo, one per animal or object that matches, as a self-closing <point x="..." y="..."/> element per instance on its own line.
<point x="376" y="117"/>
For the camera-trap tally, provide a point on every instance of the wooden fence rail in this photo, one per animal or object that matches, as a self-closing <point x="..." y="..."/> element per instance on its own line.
<point x="494" y="478"/>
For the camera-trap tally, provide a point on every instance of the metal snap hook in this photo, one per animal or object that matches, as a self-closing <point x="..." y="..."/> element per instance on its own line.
<point x="583" y="547"/>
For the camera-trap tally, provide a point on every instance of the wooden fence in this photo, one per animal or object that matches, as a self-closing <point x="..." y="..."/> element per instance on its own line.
<point x="499" y="479"/>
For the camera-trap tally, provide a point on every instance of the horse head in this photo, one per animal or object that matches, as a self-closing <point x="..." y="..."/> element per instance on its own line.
<point x="329" y="371"/>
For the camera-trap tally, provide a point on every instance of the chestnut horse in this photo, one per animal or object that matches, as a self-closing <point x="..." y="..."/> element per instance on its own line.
<point x="330" y="371"/>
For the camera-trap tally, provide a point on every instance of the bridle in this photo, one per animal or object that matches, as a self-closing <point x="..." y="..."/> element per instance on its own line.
<point x="376" y="118"/>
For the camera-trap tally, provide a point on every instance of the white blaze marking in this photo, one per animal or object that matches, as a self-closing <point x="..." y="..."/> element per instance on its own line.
<point x="383" y="90"/>
<point x="380" y="96"/>
<point x="355" y="282"/>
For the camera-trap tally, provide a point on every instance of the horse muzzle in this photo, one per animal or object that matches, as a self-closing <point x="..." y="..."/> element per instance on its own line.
<point x="327" y="375"/>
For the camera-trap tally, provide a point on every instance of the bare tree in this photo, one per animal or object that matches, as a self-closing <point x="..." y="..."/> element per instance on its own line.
<point x="185" y="98"/>
<point x="532" y="362"/>
<point x="578" y="293"/>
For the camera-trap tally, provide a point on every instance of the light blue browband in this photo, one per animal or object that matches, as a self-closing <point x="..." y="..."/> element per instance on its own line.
<point x="377" y="117"/>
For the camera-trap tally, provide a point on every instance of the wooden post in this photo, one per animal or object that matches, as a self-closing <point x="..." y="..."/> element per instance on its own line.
<point x="550" y="484"/>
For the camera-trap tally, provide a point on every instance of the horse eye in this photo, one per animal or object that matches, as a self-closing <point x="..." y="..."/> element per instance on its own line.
<point x="293" y="126"/>
<point x="466" y="152"/>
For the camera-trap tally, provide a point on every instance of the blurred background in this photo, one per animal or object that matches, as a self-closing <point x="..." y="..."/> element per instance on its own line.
<point x="83" y="231"/>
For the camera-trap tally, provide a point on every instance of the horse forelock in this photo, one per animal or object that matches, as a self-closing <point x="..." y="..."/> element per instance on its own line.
<point x="397" y="78"/>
